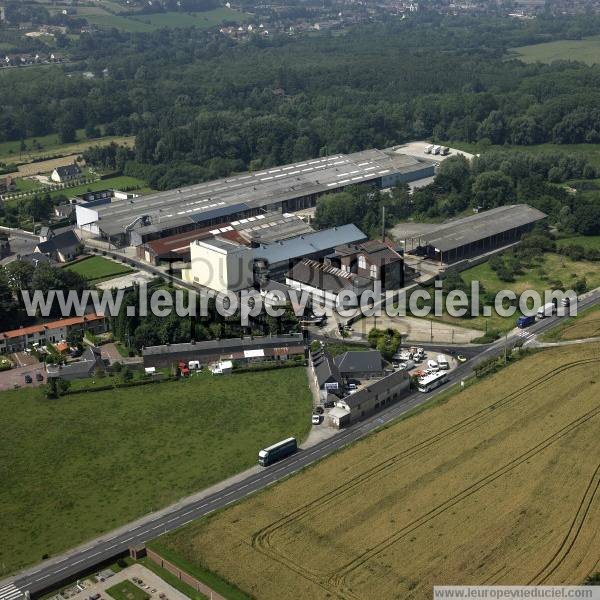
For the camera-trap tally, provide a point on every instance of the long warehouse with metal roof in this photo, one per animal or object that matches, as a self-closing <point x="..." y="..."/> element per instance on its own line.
<point x="279" y="189"/>
<point x="476" y="234"/>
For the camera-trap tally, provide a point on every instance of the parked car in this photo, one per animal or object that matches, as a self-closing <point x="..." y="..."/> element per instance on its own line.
<point x="319" y="410"/>
<point x="316" y="419"/>
<point x="39" y="377"/>
<point x="329" y="403"/>
<point x="461" y="358"/>
<point x="433" y="366"/>
<point x="352" y="386"/>
<point x="28" y="379"/>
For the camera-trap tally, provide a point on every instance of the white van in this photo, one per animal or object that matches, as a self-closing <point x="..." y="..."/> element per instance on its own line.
<point x="433" y="366"/>
<point x="443" y="362"/>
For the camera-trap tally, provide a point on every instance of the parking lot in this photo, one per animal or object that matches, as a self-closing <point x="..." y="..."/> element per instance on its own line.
<point x="16" y="376"/>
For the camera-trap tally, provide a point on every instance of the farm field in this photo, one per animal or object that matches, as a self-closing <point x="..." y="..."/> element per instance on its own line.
<point x="49" y="145"/>
<point x="498" y="484"/>
<point x="553" y="269"/>
<point x="586" y="50"/>
<point x="82" y="465"/>
<point x="585" y="325"/>
<point x="150" y="22"/>
<point x="98" y="268"/>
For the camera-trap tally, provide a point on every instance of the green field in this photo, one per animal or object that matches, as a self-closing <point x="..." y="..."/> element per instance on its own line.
<point x="586" y="50"/>
<point x="553" y="268"/>
<point x="120" y="182"/>
<point x="77" y="467"/>
<point x="586" y="241"/>
<point x="143" y="23"/>
<point x="126" y="590"/>
<point x="97" y="268"/>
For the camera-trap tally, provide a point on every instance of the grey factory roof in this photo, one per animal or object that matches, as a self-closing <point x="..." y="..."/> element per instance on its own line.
<point x="311" y="243"/>
<point x="359" y="361"/>
<point x="201" y="202"/>
<point x="226" y="345"/>
<point x="482" y="225"/>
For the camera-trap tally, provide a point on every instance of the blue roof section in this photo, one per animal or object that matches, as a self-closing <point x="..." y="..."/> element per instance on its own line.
<point x="217" y="213"/>
<point x="308" y="244"/>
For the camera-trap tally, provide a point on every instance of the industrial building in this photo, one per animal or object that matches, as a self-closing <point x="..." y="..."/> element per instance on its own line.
<point x="475" y="235"/>
<point x="281" y="347"/>
<point x="370" y="399"/>
<point x="281" y="189"/>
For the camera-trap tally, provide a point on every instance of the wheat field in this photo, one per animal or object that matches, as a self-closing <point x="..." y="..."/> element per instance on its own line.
<point x="498" y="485"/>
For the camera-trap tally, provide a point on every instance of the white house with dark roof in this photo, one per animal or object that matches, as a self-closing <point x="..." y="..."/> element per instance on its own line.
<point x="66" y="173"/>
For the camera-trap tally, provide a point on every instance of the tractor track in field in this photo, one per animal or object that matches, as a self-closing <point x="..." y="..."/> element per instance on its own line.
<point x="591" y="494"/>
<point x="339" y="578"/>
<point x="261" y="539"/>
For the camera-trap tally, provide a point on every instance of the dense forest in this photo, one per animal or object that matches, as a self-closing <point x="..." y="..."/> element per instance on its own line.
<point x="202" y="106"/>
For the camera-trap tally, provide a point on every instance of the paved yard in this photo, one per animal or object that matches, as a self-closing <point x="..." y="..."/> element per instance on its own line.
<point x="151" y="582"/>
<point x="8" y="379"/>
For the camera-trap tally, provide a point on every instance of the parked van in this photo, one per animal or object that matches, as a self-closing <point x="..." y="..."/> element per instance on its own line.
<point x="433" y="366"/>
<point x="443" y="362"/>
<point x="428" y="149"/>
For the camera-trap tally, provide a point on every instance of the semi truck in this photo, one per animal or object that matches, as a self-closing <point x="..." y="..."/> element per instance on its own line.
<point x="436" y="150"/>
<point x="547" y="310"/>
<point x="277" y="451"/>
<point x="428" y="149"/>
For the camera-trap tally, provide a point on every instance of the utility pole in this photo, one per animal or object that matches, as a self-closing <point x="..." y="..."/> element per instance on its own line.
<point x="430" y="331"/>
<point x="505" y="346"/>
<point x="383" y="223"/>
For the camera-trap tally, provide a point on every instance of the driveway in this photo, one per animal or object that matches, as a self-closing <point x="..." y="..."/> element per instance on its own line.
<point x="8" y="379"/>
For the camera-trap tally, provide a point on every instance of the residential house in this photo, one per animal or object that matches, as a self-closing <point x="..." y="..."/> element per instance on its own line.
<point x="63" y="247"/>
<point x="17" y="340"/>
<point x="87" y="366"/>
<point x="326" y="374"/>
<point x="66" y="173"/>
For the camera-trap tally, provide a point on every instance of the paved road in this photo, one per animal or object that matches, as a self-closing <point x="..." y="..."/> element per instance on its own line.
<point x="56" y="570"/>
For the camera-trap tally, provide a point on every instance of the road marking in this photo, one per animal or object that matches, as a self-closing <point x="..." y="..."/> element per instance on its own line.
<point x="10" y="592"/>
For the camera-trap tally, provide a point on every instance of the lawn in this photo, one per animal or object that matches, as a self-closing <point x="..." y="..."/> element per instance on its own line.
<point x="496" y="485"/>
<point x="98" y="268"/>
<point x="586" y="50"/>
<point x="586" y="241"/>
<point x="120" y="182"/>
<point x="151" y="22"/>
<point x="77" y="467"/>
<point x="127" y="590"/>
<point x="50" y="145"/>
<point x="553" y="268"/>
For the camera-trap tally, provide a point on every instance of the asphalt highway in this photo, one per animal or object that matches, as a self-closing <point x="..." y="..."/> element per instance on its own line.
<point x="58" y="569"/>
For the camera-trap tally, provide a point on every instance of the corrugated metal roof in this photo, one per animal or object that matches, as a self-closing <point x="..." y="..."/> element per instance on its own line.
<point x="305" y="245"/>
<point x="482" y="225"/>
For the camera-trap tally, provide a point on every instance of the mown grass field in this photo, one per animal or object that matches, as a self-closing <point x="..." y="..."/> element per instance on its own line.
<point x="499" y="484"/>
<point x="50" y="145"/>
<point x="554" y="268"/>
<point x="120" y="182"/>
<point x="98" y="268"/>
<point x="585" y="325"/>
<point x="586" y="50"/>
<point x="585" y="241"/>
<point x="150" y="22"/>
<point x="82" y="465"/>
